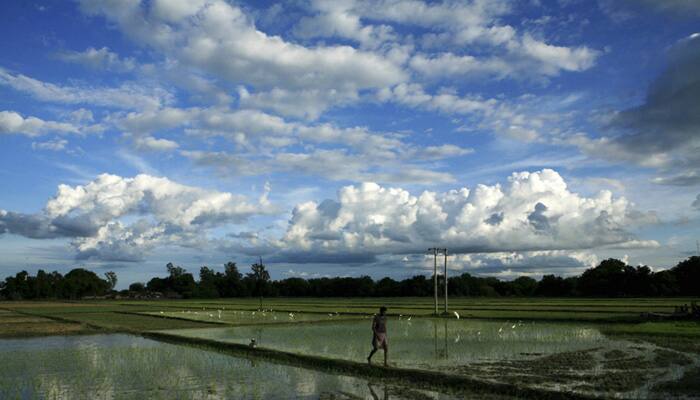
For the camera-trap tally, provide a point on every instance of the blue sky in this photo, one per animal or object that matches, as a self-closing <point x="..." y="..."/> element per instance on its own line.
<point x="345" y="138"/>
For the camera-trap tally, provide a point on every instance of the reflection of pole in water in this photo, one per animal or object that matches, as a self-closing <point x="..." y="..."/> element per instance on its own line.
<point x="435" y="340"/>
<point x="446" y="308"/>
<point x="445" y="350"/>
<point x="374" y="394"/>
<point x="441" y="352"/>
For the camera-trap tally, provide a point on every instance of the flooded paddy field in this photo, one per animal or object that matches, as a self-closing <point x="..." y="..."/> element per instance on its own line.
<point x="419" y="342"/>
<point x="118" y="366"/>
<point x="587" y="347"/>
<point x="569" y="357"/>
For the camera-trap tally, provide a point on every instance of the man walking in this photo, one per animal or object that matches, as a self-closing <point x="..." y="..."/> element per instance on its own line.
<point x="379" y="335"/>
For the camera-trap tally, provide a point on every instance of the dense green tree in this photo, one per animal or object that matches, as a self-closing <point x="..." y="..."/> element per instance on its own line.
<point x="611" y="278"/>
<point x="111" y="279"/>
<point x="553" y="286"/>
<point x="664" y="283"/>
<point x="258" y="280"/>
<point x="81" y="282"/>
<point x="293" y="287"/>
<point x="417" y="285"/>
<point x="180" y="281"/>
<point x="208" y="282"/>
<point x="387" y="287"/>
<point x="687" y="275"/>
<point x="137" y="287"/>
<point x="231" y="285"/>
<point x="524" y="286"/>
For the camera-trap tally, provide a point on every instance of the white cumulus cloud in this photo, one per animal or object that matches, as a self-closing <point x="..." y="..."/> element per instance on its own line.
<point x="531" y="212"/>
<point x="12" y="122"/>
<point x="116" y="218"/>
<point x="102" y="58"/>
<point x="155" y="144"/>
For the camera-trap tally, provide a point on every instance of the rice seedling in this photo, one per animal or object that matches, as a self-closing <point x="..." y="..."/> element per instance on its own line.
<point x="130" y="367"/>
<point x="556" y="354"/>
<point x="413" y="344"/>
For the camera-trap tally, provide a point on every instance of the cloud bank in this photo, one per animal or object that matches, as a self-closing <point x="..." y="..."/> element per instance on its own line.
<point x="118" y="219"/>
<point x="532" y="211"/>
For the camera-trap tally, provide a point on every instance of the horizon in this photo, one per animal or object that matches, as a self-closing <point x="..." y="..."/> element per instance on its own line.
<point x="345" y="139"/>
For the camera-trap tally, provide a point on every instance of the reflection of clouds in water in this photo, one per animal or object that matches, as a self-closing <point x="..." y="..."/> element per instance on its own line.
<point x="123" y="366"/>
<point x="436" y="343"/>
<point x="51" y="385"/>
<point x="305" y="385"/>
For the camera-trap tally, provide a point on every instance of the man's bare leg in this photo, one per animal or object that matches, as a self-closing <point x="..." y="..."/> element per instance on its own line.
<point x="371" y="353"/>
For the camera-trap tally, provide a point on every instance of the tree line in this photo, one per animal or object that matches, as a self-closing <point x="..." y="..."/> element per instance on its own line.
<point x="76" y="284"/>
<point x="611" y="278"/>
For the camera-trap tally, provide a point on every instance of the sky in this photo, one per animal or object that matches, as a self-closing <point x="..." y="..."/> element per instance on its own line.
<point x="345" y="138"/>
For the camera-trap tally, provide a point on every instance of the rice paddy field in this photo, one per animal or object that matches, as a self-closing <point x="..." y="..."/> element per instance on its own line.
<point x="317" y="348"/>
<point x="122" y="366"/>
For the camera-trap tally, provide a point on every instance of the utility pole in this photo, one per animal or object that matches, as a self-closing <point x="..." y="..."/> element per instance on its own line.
<point x="436" y="251"/>
<point x="435" y="283"/>
<point x="445" y="252"/>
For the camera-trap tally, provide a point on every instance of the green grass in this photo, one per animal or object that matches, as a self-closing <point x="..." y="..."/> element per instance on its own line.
<point x="245" y="317"/>
<point x="14" y="324"/>
<point x="130" y="322"/>
<point x="529" y="308"/>
<point x="105" y="316"/>
<point x="616" y="316"/>
<point x="661" y="328"/>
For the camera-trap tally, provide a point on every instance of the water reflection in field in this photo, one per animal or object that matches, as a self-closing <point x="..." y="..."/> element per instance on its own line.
<point x="423" y="342"/>
<point x="129" y="367"/>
